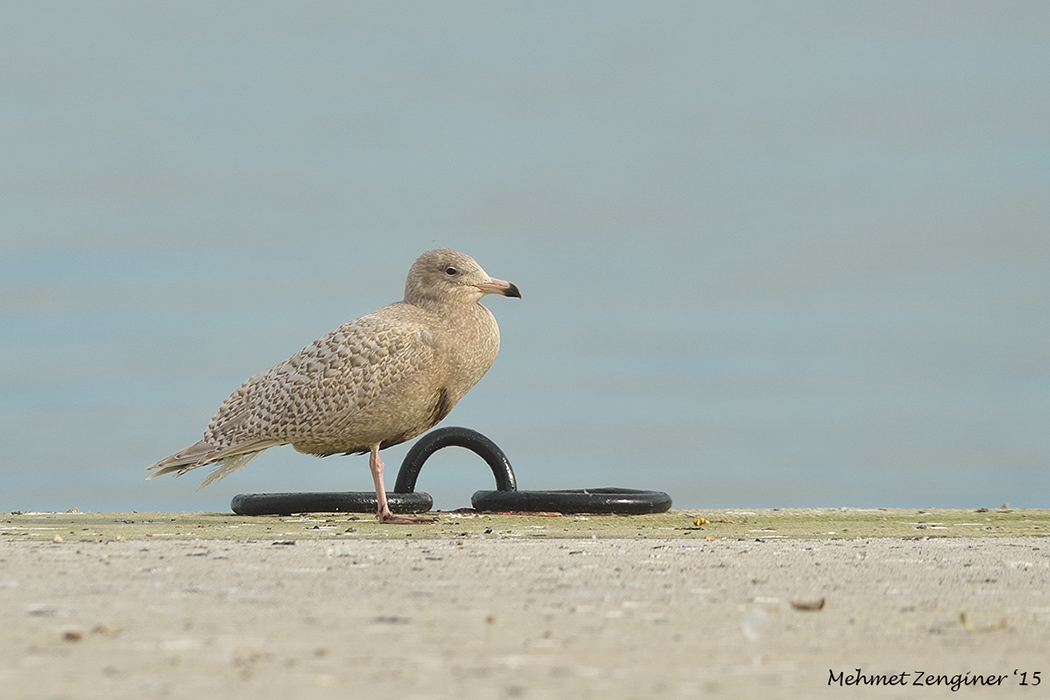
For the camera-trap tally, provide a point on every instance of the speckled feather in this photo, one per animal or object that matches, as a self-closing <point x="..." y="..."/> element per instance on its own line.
<point x="381" y="379"/>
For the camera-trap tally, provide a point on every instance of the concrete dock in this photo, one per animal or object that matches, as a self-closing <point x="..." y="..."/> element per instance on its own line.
<point x="720" y="603"/>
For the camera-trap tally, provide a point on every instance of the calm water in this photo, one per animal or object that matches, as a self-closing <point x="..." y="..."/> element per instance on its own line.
<point x="769" y="257"/>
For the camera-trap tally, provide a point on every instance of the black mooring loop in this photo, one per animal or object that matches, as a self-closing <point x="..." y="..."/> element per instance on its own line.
<point x="455" y="437"/>
<point x="327" y="502"/>
<point x="601" y="501"/>
<point x="506" y="498"/>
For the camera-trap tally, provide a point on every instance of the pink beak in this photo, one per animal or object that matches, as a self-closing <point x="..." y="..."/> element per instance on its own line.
<point x="496" y="286"/>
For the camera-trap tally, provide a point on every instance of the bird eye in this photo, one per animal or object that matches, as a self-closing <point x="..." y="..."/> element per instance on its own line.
<point x="451" y="271"/>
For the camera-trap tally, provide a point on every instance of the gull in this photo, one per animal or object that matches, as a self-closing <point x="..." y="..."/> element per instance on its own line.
<point x="371" y="383"/>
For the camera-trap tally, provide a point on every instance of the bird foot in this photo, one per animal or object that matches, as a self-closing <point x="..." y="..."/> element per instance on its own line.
<point x="390" y="518"/>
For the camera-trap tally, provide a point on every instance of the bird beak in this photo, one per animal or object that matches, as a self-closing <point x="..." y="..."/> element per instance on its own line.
<point x="495" y="286"/>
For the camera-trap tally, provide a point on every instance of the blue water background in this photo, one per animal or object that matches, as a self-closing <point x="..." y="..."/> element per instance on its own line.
<point x="771" y="255"/>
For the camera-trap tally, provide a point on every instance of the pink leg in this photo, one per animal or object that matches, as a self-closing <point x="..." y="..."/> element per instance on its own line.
<point x="375" y="465"/>
<point x="383" y="514"/>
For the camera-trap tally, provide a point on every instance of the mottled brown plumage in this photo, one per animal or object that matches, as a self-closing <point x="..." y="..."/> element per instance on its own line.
<point x="371" y="383"/>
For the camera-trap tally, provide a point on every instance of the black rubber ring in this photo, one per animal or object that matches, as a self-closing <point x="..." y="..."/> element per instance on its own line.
<point x="598" y="501"/>
<point x="327" y="502"/>
<point x="506" y="498"/>
<point x="455" y="437"/>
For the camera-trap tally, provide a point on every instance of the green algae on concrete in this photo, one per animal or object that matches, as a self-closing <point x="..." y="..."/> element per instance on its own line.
<point x="798" y="523"/>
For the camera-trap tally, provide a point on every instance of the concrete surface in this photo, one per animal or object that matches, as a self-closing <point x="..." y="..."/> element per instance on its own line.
<point x="203" y="606"/>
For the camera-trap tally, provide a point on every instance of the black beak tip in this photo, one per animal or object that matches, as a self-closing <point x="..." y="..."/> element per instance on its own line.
<point x="512" y="291"/>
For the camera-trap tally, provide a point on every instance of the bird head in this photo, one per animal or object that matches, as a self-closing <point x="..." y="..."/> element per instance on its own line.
<point x="447" y="276"/>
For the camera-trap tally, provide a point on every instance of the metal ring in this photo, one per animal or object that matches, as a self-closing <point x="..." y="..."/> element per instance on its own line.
<point x="458" y="437"/>
<point x="506" y="498"/>
<point x="599" y="501"/>
<point x="327" y="502"/>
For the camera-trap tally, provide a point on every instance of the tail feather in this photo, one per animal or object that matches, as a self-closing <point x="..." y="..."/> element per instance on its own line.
<point x="202" y="453"/>
<point x="229" y="465"/>
<point x="196" y="455"/>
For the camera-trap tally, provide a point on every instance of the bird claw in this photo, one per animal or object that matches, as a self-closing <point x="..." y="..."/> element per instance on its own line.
<point x="391" y="519"/>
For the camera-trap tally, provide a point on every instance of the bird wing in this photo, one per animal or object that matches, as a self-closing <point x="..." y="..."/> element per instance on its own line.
<point x="316" y="392"/>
